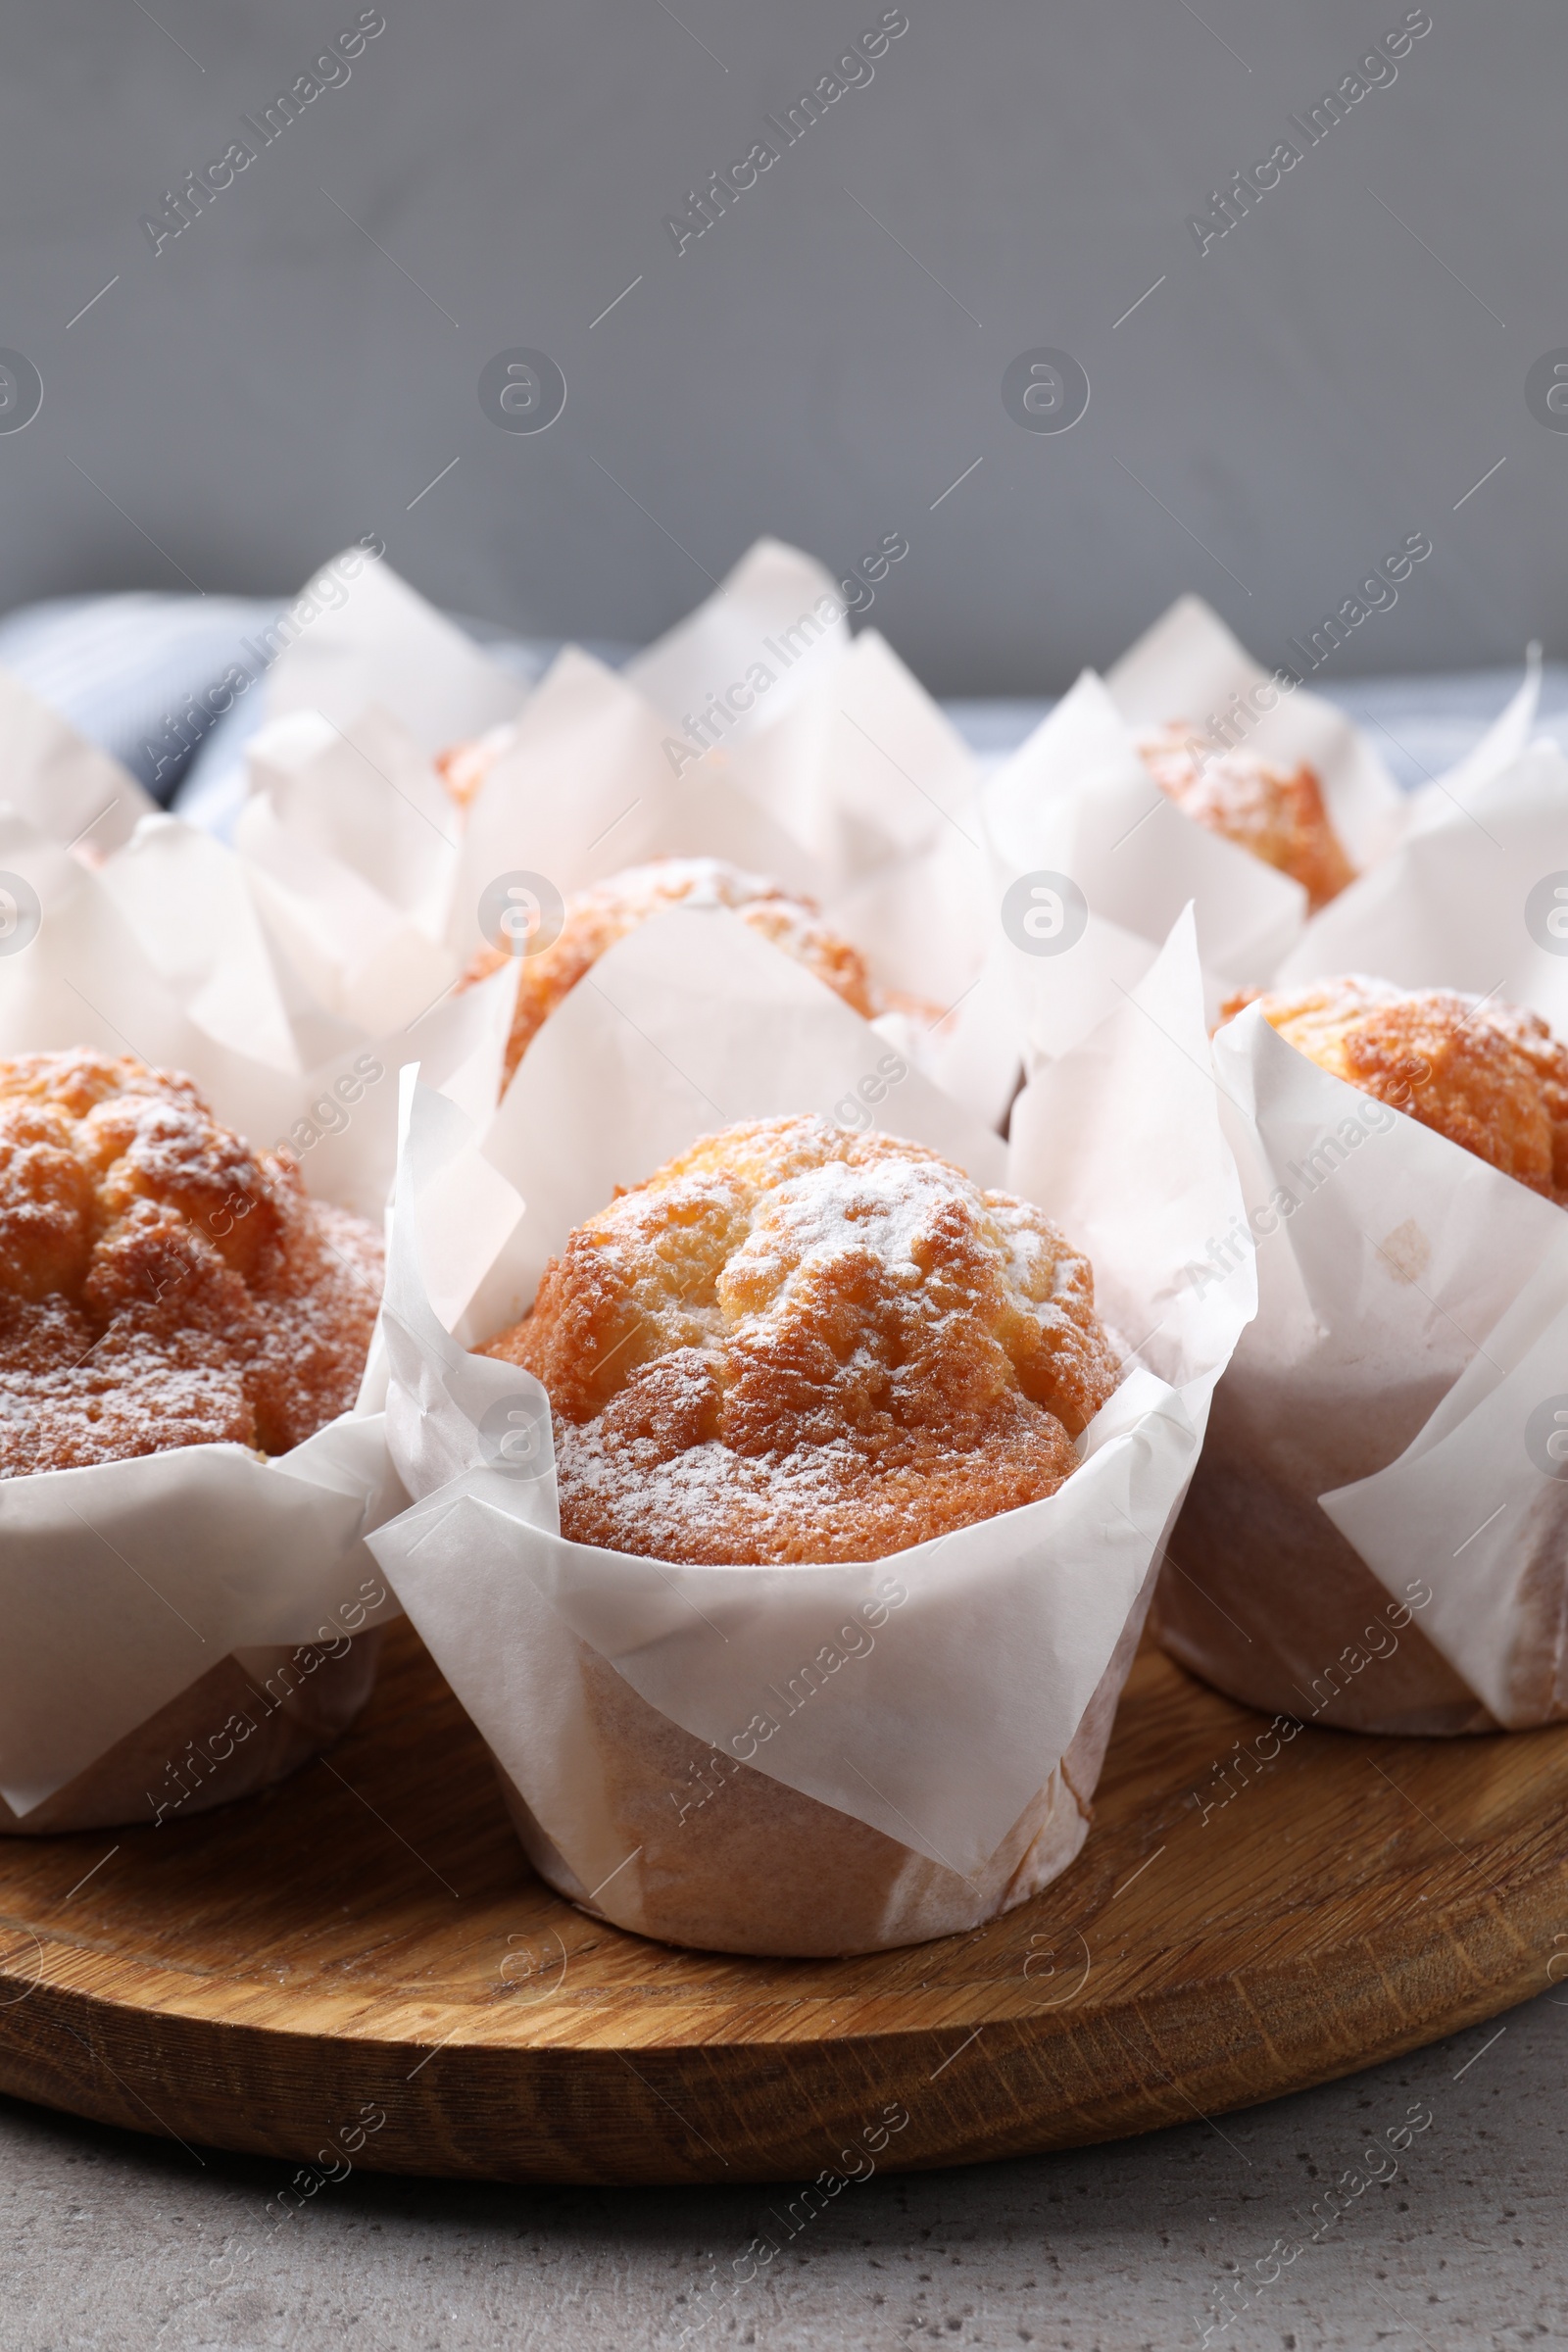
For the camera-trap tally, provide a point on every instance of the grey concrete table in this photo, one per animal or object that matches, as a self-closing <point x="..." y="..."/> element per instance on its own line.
<point x="110" y="2243"/>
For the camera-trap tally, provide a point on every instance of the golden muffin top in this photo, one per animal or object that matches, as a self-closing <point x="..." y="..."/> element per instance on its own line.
<point x="161" y="1283"/>
<point x="792" y="1342"/>
<point x="1279" y="818"/>
<point x="1490" y="1077"/>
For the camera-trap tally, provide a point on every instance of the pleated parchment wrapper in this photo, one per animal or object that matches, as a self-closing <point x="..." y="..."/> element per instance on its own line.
<point x="184" y="1627"/>
<point x="807" y="1759"/>
<point x="1377" y="1534"/>
<point x="1077" y="801"/>
<point x="1474" y="898"/>
<point x="756" y="731"/>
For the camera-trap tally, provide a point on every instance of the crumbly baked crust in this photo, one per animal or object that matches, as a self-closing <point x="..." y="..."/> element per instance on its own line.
<point x="597" y="917"/>
<point x="1279" y="818"/>
<point x="1490" y="1077"/>
<point x="161" y="1283"/>
<point x="796" y="1343"/>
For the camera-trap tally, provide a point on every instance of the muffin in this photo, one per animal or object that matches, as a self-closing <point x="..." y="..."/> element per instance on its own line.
<point x="596" y="918"/>
<point x="795" y="1343"/>
<point x="161" y="1283"/>
<point x="792" y="1345"/>
<point x="1266" y="1597"/>
<point x="163" y="1286"/>
<point x="1489" y="1077"/>
<point x="1279" y="818"/>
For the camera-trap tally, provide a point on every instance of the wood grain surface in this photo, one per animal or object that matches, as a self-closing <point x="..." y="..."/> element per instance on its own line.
<point x="366" y="1939"/>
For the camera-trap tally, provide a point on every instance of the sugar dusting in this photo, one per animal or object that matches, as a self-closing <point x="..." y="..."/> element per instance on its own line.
<point x="1490" y="1077"/>
<point x="793" y="1343"/>
<point x="161" y="1284"/>
<point x="1281" y="818"/>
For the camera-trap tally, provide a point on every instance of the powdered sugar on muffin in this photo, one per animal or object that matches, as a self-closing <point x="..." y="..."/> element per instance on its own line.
<point x="1490" y="1077"/>
<point x="161" y="1283"/>
<point x="793" y="1344"/>
<point x="1279" y="818"/>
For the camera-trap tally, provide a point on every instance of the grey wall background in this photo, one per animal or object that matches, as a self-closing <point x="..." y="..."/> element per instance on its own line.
<point x="1336" y="372"/>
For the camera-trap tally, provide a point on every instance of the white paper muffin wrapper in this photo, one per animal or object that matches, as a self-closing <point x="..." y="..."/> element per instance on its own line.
<point x="158" y="953"/>
<point x="62" y="784"/>
<point x="1077" y="800"/>
<point x="755" y="732"/>
<point x="1188" y="666"/>
<point x="124" y="1583"/>
<point x="956" y="1716"/>
<point x="373" y="639"/>
<point x="1410" y="1342"/>
<point x="1469" y="900"/>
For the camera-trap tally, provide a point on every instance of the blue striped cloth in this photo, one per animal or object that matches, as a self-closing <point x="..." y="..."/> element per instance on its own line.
<point x="121" y="667"/>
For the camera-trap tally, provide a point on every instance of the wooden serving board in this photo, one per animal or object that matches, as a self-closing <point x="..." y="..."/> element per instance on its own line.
<point x="367" y="1940"/>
